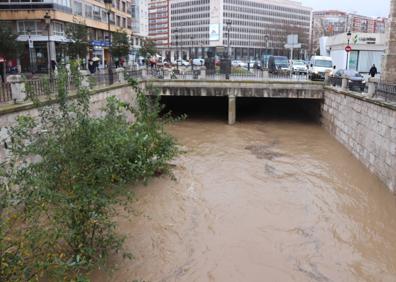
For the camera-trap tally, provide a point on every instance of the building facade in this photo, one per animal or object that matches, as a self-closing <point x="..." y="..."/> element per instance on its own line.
<point x="139" y="12"/>
<point x="158" y="17"/>
<point x="333" y="22"/>
<point x="256" y="27"/>
<point x="49" y="42"/>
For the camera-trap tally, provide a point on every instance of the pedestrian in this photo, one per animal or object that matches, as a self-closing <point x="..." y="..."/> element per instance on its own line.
<point x="373" y="71"/>
<point x="91" y="67"/>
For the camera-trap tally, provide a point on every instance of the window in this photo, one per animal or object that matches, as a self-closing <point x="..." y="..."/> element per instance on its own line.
<point x="88" y="11"/>
<point x="58" y="29"/>
<point x="26" y="27"/>
<point x="77" y="8"/>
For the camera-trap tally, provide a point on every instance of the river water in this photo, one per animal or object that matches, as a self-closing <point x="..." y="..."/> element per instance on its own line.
<point x="263" y="200"/>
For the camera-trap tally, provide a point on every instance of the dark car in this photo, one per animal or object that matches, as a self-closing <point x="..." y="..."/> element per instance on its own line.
<point x="355" y="79"/>
<point x="278" y="64"/>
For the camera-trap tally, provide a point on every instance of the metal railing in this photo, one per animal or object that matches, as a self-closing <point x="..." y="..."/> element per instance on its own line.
<point x="386" y="91"/>
<point x="5" y="92"/>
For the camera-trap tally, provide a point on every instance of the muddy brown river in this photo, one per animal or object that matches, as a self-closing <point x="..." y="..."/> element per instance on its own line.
<point x="262" y="200"/>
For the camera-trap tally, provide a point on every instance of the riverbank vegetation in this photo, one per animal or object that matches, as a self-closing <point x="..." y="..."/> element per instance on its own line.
<point x="66" y="179"/>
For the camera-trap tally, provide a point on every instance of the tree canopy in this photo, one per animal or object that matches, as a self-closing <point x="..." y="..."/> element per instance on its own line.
<point x="148" y="48"/>
<point x="78" y="34"/>
<point x="120" y="44"/>
<point x="9" y="45"/>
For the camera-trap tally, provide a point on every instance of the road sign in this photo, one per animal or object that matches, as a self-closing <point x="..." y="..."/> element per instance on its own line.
<point x="348" y="48"/>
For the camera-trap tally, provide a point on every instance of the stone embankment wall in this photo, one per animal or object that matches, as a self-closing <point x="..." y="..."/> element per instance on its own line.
<point x="366" y="127"/>
<point x="9" y="113"/>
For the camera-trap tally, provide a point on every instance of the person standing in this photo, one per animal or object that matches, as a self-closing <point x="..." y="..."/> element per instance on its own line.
<point x="373" y="71"/>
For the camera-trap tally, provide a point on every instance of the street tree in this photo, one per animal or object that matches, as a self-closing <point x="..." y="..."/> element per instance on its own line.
<point x="77" y="33"/>
<point x="120" y="44"/>
<point x="148" y="48"/>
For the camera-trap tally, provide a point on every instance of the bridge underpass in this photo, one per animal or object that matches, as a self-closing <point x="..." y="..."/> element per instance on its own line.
<point x="247" y="109"/>
<point x="233" y="96"/>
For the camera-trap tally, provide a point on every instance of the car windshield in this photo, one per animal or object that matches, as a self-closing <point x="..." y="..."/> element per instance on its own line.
<point x="298" y="63"/>
<point x="323" y="64"/>
<point x="352" y="73"/>
<point x="281" y="61"/>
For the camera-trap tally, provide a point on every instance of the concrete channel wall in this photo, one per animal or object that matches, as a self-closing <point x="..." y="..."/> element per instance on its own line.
<point x="10" y="112"/>
<point x="366" y="127"/>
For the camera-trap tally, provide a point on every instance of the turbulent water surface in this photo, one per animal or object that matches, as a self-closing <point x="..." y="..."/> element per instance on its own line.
<point x="263" y="200"/>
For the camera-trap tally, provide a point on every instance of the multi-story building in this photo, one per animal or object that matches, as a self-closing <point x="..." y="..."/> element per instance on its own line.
<point x="159" y="23"/>
<point x="27" y="19"/>
<point x="332" y="22"/>
<point x="256" y="26"/>
<point x="139" y="12"/>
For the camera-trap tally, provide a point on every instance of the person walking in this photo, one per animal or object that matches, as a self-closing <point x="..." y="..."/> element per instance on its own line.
<point x="373" y="71"/>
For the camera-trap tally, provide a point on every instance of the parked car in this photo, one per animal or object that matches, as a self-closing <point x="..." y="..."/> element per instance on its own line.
<point x="257" y="65"/>
<point x="198" y="62"/>
<point x="181" y="62"/>
<point x="238" y="63"/>
<point x="298" y="67"/>
<point x="355" y="79"/>
<point x="278" y="64"/>
<point x="319" y="66"/>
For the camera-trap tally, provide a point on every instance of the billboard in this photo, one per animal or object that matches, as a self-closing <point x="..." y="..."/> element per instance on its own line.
<point x="214" y="32"/>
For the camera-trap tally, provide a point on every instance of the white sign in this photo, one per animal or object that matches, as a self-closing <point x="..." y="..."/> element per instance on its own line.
<point x="292" y="39"/>
<point x="214" y="32"/>
<point x="290" y="46"/>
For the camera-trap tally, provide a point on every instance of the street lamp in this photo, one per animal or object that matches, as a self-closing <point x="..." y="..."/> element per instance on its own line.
<point x="176" y="31"/>
<point x="47" y="19"/>
<point x="349" y="34"/>
<point x="109" y="5"/>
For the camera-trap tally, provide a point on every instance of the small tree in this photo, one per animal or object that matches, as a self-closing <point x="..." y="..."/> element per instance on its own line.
<point x="120" y="44"/>
<point x="148" y="48"/>
<point x="77" y="33"/>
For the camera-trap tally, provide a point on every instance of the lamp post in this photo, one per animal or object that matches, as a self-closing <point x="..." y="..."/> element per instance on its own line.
<point x="30" y="45"/>
<point x="227" y="60"/>
<point x="349" y="34"/>
<point x="109" y="5"/>
<point x="191" y="55"/>
<point x="47" y="19"/>
<point x="228" y="23"/>
<point x="176" y="31"/>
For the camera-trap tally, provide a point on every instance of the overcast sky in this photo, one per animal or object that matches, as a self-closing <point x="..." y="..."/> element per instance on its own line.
<point x="374" y="8"/>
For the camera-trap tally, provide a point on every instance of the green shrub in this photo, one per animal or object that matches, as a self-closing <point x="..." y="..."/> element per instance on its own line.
<point x="65" y="181"/>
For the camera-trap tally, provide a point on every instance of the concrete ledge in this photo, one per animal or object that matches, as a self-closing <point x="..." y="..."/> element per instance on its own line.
<point x="391" y="106"/>
<point x="44" y="101"/>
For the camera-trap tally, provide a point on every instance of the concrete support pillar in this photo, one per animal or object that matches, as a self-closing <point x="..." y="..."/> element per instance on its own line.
<point x="344" y="83"/>
<point x="388" y="74"/>
<point x="84" y="78"/>
<point x="18" y="91"/>
<point x="372" y="86"/>
<point x="203" y="73"/>
<point x="167" y="73"/>
<point x="120" y="75"/>
<point x="231" y="109"/>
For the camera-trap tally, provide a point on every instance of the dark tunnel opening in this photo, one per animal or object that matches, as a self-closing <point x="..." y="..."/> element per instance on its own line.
<point x="247" y="109"/>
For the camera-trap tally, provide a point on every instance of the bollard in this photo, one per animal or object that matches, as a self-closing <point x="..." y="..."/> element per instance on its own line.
<point x="372" y="86"/>
<point x="327" y="77"/>
<point x="144" y="73"/>
<point x="265" y="74"/>
<point x="18" y="90"/>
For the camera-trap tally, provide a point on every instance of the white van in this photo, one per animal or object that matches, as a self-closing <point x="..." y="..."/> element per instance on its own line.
<point x="318" y="66"/>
